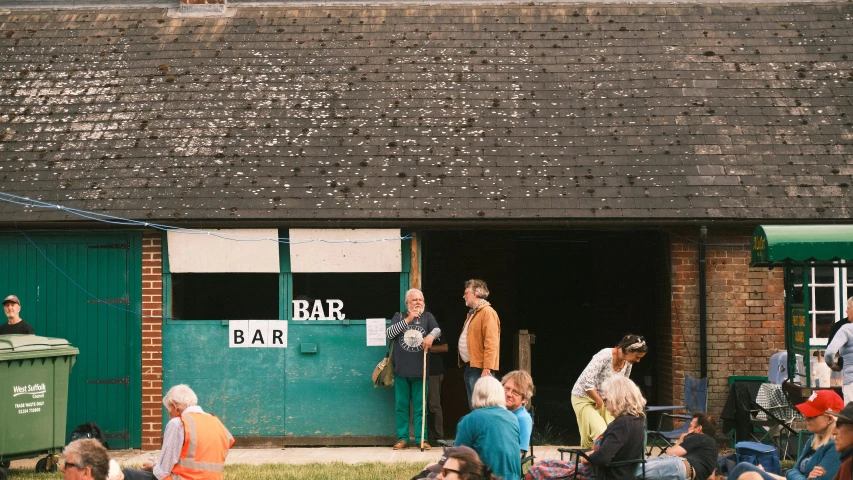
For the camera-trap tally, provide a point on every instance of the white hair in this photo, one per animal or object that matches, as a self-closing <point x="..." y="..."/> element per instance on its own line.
<point x="623" y="396"/>
<point x="488" y="392"/>
<point x="180" y="396"/>
<point x="412" y="291"/>
<point x="850" y="303"/>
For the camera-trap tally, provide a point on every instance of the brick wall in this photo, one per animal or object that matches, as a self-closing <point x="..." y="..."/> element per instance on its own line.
<point x="745" y="313"/>
<point x="152" y="336"/>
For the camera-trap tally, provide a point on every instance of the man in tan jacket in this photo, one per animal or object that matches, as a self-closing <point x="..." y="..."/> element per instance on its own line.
<point x="480" y="341"/>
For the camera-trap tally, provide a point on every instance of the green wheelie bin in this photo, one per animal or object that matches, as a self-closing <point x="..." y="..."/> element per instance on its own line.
<point x="34" y="375"/>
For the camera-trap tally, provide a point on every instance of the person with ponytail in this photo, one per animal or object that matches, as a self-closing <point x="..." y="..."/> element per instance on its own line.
<point x="592" y="417"/>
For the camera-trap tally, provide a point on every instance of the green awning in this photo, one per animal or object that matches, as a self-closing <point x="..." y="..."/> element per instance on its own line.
<point x="774" y="244"/>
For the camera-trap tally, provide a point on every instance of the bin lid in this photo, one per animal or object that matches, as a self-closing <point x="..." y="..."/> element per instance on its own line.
<point x="13" y="344"/>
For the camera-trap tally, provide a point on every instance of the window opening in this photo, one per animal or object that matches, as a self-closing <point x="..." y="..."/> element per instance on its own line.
<point x="364" y="295"/>
<point x="225" y="296"/>
<point x="829" y="289"/>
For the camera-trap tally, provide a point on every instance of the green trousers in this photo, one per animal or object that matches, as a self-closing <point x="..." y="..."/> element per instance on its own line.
<point x="591" y="422"/>
<point x="409" y="389"/>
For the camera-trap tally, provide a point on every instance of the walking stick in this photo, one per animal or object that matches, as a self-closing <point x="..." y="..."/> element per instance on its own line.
<point x="423" y="403"/>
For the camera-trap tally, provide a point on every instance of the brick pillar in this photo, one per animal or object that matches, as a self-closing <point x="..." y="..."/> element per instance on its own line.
<point x="745" y="313"/>
<point x="152" y="340"/>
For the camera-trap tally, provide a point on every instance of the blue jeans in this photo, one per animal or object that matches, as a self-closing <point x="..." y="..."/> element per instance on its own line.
<point x="471" y="375"/>
<point x="664" y="468"/>
<point x="137" y="474"/>
<point x="744" y="467"/>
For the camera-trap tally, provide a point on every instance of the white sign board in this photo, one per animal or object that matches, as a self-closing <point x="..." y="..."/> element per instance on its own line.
<point x="364" y="250"/>
<point x="245" y="250"/>
<point x="257" y="334"/>
<point x="375" y="332"/>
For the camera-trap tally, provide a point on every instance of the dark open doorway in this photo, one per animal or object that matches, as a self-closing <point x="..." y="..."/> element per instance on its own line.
<point x="578" y="292"/>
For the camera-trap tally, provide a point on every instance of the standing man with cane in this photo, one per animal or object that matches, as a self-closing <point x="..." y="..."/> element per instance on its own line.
<point x="411" y="333"/>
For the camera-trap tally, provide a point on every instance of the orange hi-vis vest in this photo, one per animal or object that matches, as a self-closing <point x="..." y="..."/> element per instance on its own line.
<point x="206" y="443"/>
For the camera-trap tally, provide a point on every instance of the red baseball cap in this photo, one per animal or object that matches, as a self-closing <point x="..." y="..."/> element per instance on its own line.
<point x="819" y="402"/>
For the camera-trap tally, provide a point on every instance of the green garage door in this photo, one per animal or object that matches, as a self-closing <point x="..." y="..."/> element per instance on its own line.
<point x="82" y="287"/>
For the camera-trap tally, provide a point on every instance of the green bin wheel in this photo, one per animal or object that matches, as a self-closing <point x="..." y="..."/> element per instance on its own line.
<point x="3" y="474"/>
<point x="41" y="466"/>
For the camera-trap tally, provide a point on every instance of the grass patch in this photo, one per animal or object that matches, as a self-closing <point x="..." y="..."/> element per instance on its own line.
<point x="280" y="471"/>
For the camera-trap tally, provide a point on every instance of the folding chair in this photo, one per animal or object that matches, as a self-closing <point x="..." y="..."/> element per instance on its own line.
<point x="695" y="400"/>
<point x="772" y="417"/>
<point x="736" y="415"/>
<point x="602" y="472"/>
<point x="528" y="457"/>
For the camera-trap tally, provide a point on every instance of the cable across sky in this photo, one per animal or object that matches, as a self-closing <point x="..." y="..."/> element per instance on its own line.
<point x="114" y="220"/>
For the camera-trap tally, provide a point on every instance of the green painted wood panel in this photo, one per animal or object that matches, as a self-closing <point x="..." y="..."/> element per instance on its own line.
<point x="52" y="286"/>
<point x="330" y="393"/>
<point x="283" y="392"/>
<point x="244" y="387"/>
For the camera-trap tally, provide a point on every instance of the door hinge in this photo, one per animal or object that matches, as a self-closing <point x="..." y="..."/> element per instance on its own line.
<point x="125" y="246"/>
<point x="124" y="381"/>
<point x="125" y="300"/>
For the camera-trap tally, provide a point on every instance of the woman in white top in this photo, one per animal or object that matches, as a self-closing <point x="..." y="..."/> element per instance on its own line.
<point x="592" y="417"/>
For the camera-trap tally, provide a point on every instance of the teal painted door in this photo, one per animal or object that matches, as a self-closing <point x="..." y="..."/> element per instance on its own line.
<point x="329" y="389"/>
<point x="80" y="287"/>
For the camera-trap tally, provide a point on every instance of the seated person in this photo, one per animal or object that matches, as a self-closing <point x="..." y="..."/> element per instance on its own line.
<point x="518" y="390"/>
<point x="85" y="459"/>
<point x="819" y="459"/>
<point x="465" y="465"/>
<point x="465" y="453"/>
<point x="491" y="430"/>
<point x="621" y="441"/>
<point x="693" y="457"/>
<point x="188" y="426"/>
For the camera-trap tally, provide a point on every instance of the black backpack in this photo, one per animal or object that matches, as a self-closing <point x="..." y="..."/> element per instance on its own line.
<point x="90" y="430"/>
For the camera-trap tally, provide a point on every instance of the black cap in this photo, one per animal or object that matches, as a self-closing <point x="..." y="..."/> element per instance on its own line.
<point x="845" y="415"/>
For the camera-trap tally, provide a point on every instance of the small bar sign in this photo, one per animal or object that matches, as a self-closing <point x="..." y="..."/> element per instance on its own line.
<point x="257" y="334"/>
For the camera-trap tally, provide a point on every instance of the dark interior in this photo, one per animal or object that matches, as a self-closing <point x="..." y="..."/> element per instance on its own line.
<point x="377" y="295"/>
<point x="224" y="296"/>
<point x="578" y="292"/>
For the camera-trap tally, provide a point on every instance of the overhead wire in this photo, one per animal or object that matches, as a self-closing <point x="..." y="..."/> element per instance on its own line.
<point x="236" y="237"/>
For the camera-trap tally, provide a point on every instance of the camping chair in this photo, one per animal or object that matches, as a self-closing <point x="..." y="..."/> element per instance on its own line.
<point x="528" y="457"/>
<point x="737" y="412"/>
<point x="695" y="400"/>
<point x="577" y="453"/>
<point x="772" y="417"/>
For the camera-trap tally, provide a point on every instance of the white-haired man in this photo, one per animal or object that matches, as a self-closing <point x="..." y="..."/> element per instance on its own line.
<point x="412" y="334"/>
<point x="195" y="443"/>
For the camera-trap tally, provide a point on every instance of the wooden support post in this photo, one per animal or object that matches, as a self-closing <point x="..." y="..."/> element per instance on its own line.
<point x="521" y="349"/>
<point x="415" y="274"/>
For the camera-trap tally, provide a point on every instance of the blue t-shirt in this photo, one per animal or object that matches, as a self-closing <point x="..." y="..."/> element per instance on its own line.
<point x="525" y="426"/>
<point x="493" y="433"/>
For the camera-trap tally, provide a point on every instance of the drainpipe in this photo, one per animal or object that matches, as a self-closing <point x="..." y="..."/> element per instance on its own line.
<point x="703" y="309"/>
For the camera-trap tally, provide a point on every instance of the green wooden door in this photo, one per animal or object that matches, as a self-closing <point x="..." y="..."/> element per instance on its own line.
<point x="82" y="288"/>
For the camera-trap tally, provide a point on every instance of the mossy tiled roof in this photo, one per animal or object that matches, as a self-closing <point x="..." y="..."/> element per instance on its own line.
<point x="497" y="112"/>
